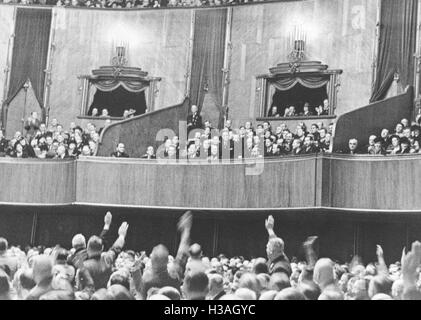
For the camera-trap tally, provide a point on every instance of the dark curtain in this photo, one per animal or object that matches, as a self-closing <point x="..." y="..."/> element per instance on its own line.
<point x="312" y="82"/>
<point x="397" y="45"/>
<point x="30" y="50"/>
<point x="119" y="100"/>
<point x="297" y="97"/>
<point x="208" y="58"/>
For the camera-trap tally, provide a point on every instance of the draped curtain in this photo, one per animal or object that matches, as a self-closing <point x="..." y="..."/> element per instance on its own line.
<point x="112" y="84"/>
<point x="30" y="50"/>
<point x="311" y="82"/>
<point x="396" y="45"/>
<point x="208" y="58"/>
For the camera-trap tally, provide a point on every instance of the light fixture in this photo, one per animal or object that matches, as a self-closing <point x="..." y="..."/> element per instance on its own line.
<point x="297" y="43"/>
<point x="120" y="57"/>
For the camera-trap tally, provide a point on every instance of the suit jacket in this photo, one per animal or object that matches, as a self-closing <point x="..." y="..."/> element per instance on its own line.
<point x="226" y="149"/>
<point x="195" y="121"/>
<point x="147" y="156"/>
<point x="280" y="264"/>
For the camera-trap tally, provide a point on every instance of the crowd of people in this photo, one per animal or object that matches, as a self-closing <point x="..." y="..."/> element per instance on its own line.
<point x="245" y="142"/>
<point x="52" y="141"/>
<point x="404" y="139"/>
<point x="204" y="142"/>
<point x="128" y="4"/>
<point x="307" y="111"/>
<point x="98" y="269"/>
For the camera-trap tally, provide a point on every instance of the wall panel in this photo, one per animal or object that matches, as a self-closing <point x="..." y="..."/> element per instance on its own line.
<point x="341" y="34"/>
<point x="158" y="43"/>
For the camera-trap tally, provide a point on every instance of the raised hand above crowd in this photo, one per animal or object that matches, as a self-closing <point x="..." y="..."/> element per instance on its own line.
<point x="93" y="272"/>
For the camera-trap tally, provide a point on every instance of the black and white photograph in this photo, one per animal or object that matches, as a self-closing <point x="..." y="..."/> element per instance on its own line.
<point x="216" y="150"/>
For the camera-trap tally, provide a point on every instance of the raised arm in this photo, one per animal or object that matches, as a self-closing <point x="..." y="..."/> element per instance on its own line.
<point x="270" y="224"/>
<point x="381" y="267"/>
<point x="184" y="226"/>
<point x="107" y="223"/>
<point x="311" y="255"/>
<point x="122" y="232"/>
<point x="410" y="263"/>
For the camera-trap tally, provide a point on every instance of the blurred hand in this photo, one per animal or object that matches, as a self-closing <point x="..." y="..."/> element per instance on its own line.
<point x="185" y="222"/>
<point x="122" y="231"/>
<point x="108" y="218"/>
<point x="310" y="241"/>
<point x="410" y="263"/>
<point x="379" y="251"/>
<point x="270" y="223"/>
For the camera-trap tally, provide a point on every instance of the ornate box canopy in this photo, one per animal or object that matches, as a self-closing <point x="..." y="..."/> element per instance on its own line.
<point x="285" y="76"/>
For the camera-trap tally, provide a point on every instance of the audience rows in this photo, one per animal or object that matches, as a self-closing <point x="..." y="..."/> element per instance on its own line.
<point x="128" y="4"/>
<point x="405" y="139"/>
<point x="99" y="270"/>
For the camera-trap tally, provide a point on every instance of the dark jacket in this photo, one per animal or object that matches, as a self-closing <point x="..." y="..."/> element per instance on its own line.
<point x="280" y="264"/>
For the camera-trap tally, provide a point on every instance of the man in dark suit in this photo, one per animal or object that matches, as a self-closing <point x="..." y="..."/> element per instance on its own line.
<point x="306" y="110"/>
<point x="226" y="146"/>
<point x="296" y="147"/>
<point x="273" y="112"/>
<point x="278" y="262"/>
<point x="309" y="147"/>
<point x="194" y="120"/>
<point x="120" y="152"/>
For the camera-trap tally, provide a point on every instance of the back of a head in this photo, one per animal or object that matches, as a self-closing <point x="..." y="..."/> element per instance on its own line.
<point x="119" y="278"/>
<point x="323" y="274"/>
<point x="94" y="247"/>
<point x="79" y="241"/>
<point x="216" y="283"/>
<point x="101" y="294"/>
<point x="290" y="294"/>
<point x="331" y="295"/>
<point x="170" y="292"/>
<point x="118" y="292"/>
<point x="42" y="268"/>
<point x="26" y="279"/>
<point x="246" y="294"/>
<point x="380" y="284"/>
<point x="249" y="281"/>
<point x="196" y="285"/>
<point x="310" y="290"/>
<point x="3" y="245"/>
<point x="195" y="251"/>
<point x="381" y="296"/>
<point x="61" y="255"/>
<point x="264" y="281"/>
<point x="58" y="295"/>
<point x="279" y="281"/>
<point x="159" y="256"/>
<point x="268" y="295"/>
<point x="260" y="266"/>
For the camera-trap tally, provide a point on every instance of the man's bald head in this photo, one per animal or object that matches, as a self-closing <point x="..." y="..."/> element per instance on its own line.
<point x="79" y="241"/>
<point x="159" y="257"/>
<point x="195" y="251"/>
<point x="324" y="273"/>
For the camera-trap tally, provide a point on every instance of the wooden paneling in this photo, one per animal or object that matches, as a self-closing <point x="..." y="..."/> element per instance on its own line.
<point x="44" y="182"/>
<point x="280" y="184"/>
<point x="138" y="133"/>
<point x="373" y="183"/>
<point x="370" y="120"/>
<point x="332" y="182"/>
